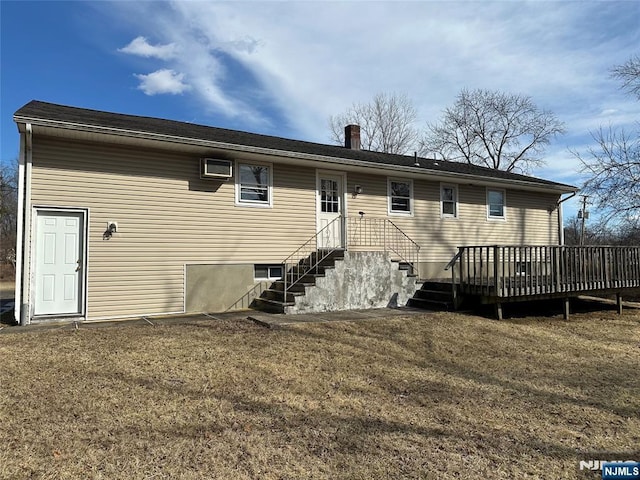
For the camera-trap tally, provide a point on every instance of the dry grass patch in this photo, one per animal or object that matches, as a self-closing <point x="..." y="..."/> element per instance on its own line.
<point x="433" y="396"/>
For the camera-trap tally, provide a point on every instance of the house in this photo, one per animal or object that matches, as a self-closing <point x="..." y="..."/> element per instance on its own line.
<point x="123" y="215"/>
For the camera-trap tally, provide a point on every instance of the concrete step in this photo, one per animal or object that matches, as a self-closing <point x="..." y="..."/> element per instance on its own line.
<point x="278" y="295"/>
<point x="328" y="257"/>
<point x="318" y="269"/>
<point x="405" y="267"/>
<point x="273" y="299"/>
<point x="307" y="278"/>
<point x="271" y="306"/>
<point x="297" y="288"/>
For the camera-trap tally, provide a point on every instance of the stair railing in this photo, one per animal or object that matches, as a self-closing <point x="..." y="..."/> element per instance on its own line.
<point x="310" y="254"/>
<point x="402" y="245"/>
<point x="454" y="287"/>
<point x="382" y="233"/>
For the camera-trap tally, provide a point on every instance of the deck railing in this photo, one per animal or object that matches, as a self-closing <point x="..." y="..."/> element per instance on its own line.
<point x="382" y="234"/>
<point x="522" y="270"/>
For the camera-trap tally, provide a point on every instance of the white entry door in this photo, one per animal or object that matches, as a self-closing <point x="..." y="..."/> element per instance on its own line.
<point x="330" y="208"/>
<point x="59" y="262"/>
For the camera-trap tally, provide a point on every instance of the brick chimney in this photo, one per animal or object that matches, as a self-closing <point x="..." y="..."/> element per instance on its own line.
<point x="352" y="137"/>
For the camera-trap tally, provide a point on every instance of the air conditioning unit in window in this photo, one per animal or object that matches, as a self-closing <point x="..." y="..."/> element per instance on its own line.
<point x="216" y="168"/>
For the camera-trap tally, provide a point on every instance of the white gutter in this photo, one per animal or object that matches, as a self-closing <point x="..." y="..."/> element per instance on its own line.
<point x="23" y="222"/>
<point x="561" y="217"/>
<point x="280" y="153"/>
<point x="560" y="225"/>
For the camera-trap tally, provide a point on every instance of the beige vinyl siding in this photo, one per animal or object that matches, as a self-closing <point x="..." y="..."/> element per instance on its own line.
<point x="167" y="216"/>
<point x="527" y="217"/>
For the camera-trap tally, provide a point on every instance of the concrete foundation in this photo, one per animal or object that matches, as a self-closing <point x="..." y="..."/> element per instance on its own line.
<point x="362" y="280"/>
<point x="218" y="288"/>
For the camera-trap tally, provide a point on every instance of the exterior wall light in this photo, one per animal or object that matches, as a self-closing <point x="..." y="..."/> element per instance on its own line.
<point x="112" y="227"/>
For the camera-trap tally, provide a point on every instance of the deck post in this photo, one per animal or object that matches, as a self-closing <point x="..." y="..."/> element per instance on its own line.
<point x="619" y="302"/>
<point x="496" y="264"/>
<point x="557" y="253"/>
<point x="566" y="308"/>
<point x="499" y="310"/>
<point x="454" y="289"/>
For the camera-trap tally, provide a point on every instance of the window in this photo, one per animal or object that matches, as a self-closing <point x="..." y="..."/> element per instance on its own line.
<point x="496" y="204"/>
<point x="449" y="201"/>
<point x="267" y="272"/>
<point x="400" y="193"/>
<point x="253" y="185"/>
<point x="329" y="196"/>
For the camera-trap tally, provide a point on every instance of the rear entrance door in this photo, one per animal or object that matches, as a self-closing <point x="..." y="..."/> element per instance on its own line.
<point x="59" y="262"/>
<point x="330" y="209"/>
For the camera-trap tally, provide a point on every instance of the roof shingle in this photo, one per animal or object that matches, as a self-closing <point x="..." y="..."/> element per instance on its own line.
<point x="82" y="116"/>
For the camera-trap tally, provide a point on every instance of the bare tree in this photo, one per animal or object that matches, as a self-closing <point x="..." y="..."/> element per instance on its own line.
<point x="594" y="233"/>
<point x="613" y="166"/>
<point x="613" y="162"/>
<point x="600" y="232"/>
<point x="386" y="123"/>
<point x="493" y="129"/>
<point x="8" y="212"/>
<point x="629" y="74"/>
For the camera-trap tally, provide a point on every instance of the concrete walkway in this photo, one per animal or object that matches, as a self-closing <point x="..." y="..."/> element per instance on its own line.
<point x="264" y="319"/>
<point x="280" y="320"/>
<point x="63" y="324"/>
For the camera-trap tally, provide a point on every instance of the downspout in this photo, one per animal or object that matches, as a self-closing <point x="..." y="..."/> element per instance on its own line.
<point x="561" y="219"/>
<point x="23" y="275"/>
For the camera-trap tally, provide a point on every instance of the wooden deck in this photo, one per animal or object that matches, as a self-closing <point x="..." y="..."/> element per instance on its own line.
<point x="510" y="273"/>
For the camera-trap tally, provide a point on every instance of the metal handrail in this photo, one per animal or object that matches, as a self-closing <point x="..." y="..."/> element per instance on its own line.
<point x="295" y="266"/>
<point x="383" y="233"/>
<point x="414" y="249"/>
<point x="308" y="257"/>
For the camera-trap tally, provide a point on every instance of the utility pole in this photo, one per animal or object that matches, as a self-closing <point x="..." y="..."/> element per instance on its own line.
<point x="583" y="214"/>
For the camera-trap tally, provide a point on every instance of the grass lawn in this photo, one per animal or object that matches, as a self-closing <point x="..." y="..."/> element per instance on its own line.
<point x="430" y="396"/>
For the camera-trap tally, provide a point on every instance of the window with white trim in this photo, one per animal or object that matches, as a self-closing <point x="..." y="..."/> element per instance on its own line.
<point x="400" y="196"/>
<point x="254" y="184"/>
<point x="267" y="272"/>
<point x="449" y="201"/>
<point x="329" y="196"/>
<point x="496" y="205"/>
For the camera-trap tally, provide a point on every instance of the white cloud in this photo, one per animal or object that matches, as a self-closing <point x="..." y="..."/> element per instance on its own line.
<point x="162" y="81"/>
<point x="284" y="68"/>
<point x="139" y="46"/>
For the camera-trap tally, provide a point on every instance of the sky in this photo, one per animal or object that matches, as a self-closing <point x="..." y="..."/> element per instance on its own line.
<point x="283" y="68"/>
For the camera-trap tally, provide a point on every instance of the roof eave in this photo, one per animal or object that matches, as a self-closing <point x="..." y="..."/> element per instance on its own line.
<point x="418" y="171"/>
